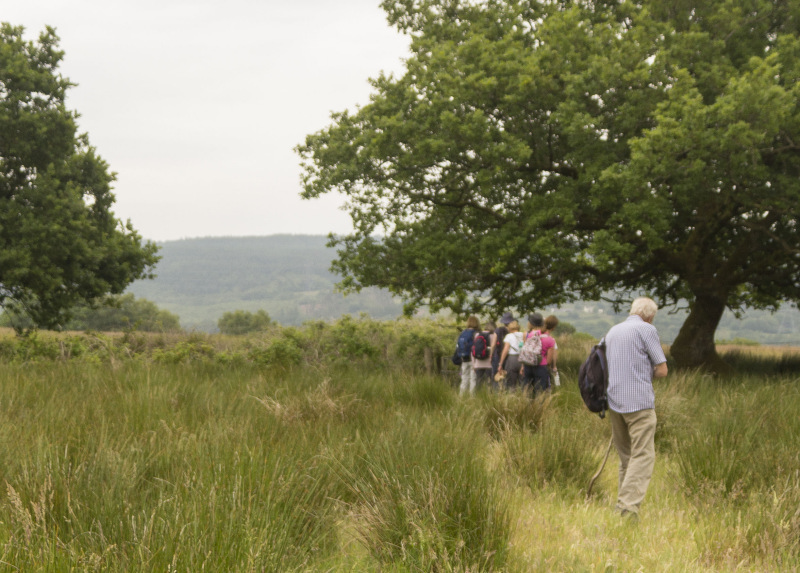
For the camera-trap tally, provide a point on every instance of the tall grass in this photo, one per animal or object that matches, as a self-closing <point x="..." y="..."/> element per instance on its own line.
<point x="155" y="468"/>
<point x="421" y="498"/>
<point x="737" y="456"/>
<point x="190" y="459"/>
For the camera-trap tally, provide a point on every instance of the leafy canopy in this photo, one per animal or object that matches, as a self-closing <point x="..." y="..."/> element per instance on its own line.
<point x="537" y="152"/>
<point x="59" y="241"/>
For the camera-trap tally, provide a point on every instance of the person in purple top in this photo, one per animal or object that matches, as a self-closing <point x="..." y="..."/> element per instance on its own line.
<point x="500" y="334"/>
<point x="635" y="358"/>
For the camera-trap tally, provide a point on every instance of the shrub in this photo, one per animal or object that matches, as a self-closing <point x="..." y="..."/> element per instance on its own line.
<point x="112" y="313"/>
<point x="564" y="329"/>
<point x="188" y="351"/>
<point x="348" y="339"/>
<point x="282" y="350"/>
<point x="241" y="322"/>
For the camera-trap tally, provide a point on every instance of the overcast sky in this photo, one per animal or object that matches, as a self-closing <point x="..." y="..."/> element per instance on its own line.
<point x="198" y="104"/>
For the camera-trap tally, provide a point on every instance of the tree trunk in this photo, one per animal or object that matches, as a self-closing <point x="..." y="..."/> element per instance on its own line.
<point x="694" y="346"/>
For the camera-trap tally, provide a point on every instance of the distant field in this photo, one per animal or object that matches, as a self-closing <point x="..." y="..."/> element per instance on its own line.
<point x="760" y="350"/>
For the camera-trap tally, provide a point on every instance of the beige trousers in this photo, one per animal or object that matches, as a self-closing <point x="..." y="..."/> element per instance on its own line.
<point x="633" y="436"/>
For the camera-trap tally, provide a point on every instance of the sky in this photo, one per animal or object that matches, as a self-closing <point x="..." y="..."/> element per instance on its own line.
<point x="197" y="105"/>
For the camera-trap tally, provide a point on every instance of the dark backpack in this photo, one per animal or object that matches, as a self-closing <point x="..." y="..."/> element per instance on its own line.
<point x="456" y="358"/>
<point x="480" y="346"/>
<point x="464" y="345"/>
<point x="593" y="380"/>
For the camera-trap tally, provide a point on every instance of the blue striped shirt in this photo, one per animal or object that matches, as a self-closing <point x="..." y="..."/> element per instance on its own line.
<point x="633" y="349"/>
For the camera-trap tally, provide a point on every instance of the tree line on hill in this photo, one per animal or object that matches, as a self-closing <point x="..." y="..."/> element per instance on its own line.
<point x="287" y="276"/>
<point x="126" y="313"/>
<point x="240" y="284"/>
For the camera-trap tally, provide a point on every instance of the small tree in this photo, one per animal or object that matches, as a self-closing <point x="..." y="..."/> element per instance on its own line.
<point x="243" y="322"/>
<point x="60" y="243"/>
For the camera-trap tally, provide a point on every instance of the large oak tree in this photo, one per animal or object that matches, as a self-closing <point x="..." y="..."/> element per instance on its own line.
<point x="60" y="243"/>
<point x="538" y="152"/>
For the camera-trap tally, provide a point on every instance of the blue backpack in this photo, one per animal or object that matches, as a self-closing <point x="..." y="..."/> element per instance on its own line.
<point x="464" y="345"/>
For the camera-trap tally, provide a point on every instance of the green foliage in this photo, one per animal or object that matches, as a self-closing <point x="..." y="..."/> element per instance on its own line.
<point x="29" y="348"/>
<point x="114" y="313"/>
<point x="564" y="328"/>
<point x="346" y="342"/>
<point x="243" y="322"/>
<point x="282" y="351"/>
<point x="609" y="147"/>
<point x="59" y="240"/>
<point x="123" y="312"/>
<point x="189" y="351"/>
<point x="346" y="339"/>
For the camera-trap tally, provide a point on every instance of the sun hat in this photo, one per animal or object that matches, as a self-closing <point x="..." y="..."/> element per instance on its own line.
<point x="536" y="319"/>
<point x="507" y="319"/>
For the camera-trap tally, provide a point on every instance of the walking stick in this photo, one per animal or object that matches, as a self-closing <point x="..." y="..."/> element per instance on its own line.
<point x="599" y="471"/>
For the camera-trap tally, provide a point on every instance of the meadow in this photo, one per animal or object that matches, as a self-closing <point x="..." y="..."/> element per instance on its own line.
<point x="329" y="447"/>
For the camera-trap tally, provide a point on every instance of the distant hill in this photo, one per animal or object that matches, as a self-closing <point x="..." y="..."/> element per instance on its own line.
<point x="285" y="275"/>
<point x="288" y="276"/>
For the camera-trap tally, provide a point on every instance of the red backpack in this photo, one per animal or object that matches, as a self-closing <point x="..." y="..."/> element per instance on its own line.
<point x="480" y="346"/>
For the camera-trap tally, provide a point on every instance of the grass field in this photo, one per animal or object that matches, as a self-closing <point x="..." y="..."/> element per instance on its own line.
<point x="189" y="460"/>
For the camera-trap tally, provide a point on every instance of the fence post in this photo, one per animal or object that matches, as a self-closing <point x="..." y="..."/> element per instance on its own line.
<point x="427" y="355"/>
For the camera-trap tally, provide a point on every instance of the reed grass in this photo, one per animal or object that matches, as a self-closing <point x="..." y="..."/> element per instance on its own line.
<point x="194" y="464"/>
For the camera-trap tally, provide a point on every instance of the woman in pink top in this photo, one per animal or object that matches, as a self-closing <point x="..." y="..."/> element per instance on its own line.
<point x="550" y="324"/>
<point x="538" y="377"/>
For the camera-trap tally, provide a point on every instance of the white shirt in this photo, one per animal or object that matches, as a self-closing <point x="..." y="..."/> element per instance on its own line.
<point x="515" y="341"/>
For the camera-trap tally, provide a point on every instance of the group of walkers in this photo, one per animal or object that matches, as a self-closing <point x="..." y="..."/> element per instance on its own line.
<point x="492" y="356"/>
<point x="634" y="357"/>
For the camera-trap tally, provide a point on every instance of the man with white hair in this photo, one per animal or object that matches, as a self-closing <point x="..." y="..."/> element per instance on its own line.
<point x="635" y="357"/>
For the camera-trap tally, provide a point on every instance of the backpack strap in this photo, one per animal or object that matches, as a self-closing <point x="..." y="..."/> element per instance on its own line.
<point x="604" y="363"/>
